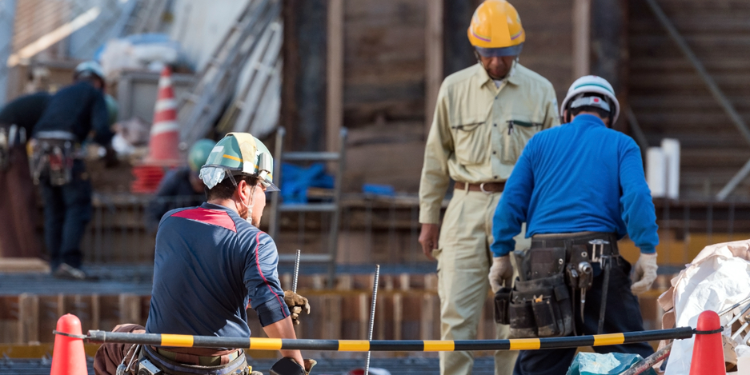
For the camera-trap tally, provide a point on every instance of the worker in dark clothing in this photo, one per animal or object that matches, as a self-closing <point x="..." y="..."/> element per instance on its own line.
<point x="57" y="164"/>
<point x="180" y="187"/>
<point x="211" y="262"/>
<point x="579" y="188"/>
<point x="18" y="201"/>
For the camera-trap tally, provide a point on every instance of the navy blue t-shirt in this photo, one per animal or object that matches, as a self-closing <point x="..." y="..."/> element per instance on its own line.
<point x="209" y="263"/>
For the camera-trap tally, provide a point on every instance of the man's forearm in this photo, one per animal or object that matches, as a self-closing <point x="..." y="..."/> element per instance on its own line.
<point x="284" y="329"/>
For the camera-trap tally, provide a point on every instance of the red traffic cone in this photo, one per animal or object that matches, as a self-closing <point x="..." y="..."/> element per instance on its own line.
<point x="708" y="352"/>
<point x="165" y="132"/>
<point x="68" y="357"/>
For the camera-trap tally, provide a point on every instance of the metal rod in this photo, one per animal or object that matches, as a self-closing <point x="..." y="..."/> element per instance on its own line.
<point x="736" y="305"/>
<point x="736" y="318"/>
<point x="646" y="363"/>
<point x="296" y="271"/>
<point x="372" y="315"/>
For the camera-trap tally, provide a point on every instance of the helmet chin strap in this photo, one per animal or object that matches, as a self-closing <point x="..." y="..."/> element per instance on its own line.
<point x="248" y="206"/>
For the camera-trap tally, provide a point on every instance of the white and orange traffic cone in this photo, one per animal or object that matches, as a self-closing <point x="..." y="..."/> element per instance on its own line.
<point x="163" y="146"/>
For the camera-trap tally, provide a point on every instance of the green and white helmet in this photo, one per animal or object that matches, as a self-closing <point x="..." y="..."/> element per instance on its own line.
<point x="238" y="154"/>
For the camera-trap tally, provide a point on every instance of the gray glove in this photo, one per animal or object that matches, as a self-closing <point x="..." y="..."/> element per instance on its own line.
<point x="296" y="304"/>
<point x="288" y="366"/>
<point x="501" y="273"/>
<point x="645" y="273"/>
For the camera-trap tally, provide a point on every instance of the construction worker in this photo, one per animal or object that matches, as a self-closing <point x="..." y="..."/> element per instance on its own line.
<point x="212" y="261"/>
<point x="483" y="118"/>
<point x="57" y="164"/>
<point x="180" y="187"/>
<point x="18" y="236"/>
<point x="579" y="188"/>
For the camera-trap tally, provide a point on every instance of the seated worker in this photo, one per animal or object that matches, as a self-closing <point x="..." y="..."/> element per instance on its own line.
<point x="180" y="187"/>
<point x="580" y="188"/>
<point x="211" y="261"/>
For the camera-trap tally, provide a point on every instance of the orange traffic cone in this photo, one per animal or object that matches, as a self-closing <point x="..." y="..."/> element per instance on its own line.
<point x="708" y="352"/>
<point x="68" y="357"/>
<point x="165" y="132"/>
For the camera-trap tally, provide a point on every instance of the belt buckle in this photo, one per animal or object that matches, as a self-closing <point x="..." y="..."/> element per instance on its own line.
<point x="481" y="188"/>
<point x="600" y="245"/>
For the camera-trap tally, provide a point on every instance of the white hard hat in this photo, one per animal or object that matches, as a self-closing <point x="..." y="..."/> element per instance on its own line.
<point x="591" y="85"/>
<point x="89" y="67"/>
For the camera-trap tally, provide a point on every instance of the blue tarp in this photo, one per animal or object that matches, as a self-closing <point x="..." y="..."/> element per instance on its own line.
<point x="604" y="364"/>
<point x="295" y="181"/>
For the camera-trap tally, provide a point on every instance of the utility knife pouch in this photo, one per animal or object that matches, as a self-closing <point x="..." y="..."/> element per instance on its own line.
<point x="502" y="300"/>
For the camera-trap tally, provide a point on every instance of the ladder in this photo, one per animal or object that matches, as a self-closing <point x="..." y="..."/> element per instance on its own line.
<point x="145" y="17"/>
<point x="262" y="83"/>
<point x="214" y="85"/>
<point x="333" y="207"/>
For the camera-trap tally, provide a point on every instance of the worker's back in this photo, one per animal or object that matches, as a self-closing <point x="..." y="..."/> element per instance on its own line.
<point x="78" y="109"/>
<point x="580" y="171"/>
<point x="207" y="263"/>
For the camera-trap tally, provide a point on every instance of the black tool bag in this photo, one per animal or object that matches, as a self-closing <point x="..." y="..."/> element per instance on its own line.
<point x="540" y="304"/>
<point x="52" y="161"/>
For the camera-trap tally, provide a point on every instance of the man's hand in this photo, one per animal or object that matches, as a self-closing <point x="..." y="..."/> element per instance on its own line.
<point x="501" y="273"/>
<point x="289" y="366"/>
<point x="429" y="239"/>
<point x="296" y="304"/>
<point x="645" y="273"/>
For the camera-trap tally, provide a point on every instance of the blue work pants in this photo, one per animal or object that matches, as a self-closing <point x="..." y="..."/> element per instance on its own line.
<point x="623" y="314"/>
<point x="67" y="211"/>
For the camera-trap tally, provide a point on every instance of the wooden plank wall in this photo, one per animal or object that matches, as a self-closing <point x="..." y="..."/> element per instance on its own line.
<point x="384" y="78"/>
<point x="670" y="100"/>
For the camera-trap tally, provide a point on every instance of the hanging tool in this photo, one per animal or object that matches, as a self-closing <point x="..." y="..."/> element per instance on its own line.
<point x="605" y="264"/>
<point x="585" y="280"/>
<point x="372" y="315"/>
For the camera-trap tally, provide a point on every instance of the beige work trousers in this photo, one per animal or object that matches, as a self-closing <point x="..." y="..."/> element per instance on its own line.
<point x="464" y="261"/>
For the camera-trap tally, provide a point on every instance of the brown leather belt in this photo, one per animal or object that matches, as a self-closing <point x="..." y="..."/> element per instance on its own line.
<point x="485" y="187"/>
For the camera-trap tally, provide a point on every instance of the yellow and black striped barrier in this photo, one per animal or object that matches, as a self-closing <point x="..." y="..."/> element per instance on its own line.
<point x="385" y="345"/>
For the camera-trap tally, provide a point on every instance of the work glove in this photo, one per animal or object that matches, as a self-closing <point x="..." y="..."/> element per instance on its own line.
<point x="645" y="273"/>
<point x="296" y="304"/>
<point x="501" y="273"/>
<point x="288" y="366"/>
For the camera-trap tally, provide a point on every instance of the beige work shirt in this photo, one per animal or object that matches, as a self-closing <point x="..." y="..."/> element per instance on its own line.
<point x="479" y="130"/>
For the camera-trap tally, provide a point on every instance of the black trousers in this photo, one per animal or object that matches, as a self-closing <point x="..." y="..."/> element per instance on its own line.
<point x="622" y="314"/>
<point x="67" y="211"/>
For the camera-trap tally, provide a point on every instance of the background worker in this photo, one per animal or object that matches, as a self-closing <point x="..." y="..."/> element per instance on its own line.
<point x="18" y="236"/>
<point x="484" y="116"/>
<point x="573" y="184"/>
<point x="72" y="113"/>
<point x="180" y="187"/>
<point x="211" y="261"/>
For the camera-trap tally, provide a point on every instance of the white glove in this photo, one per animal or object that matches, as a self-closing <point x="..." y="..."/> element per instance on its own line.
<point x="645" y="273"/>
<point x="501" y="273"/>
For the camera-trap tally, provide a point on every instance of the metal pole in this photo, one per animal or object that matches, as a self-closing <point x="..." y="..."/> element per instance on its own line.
<point x="273" y="228"/>
<point x="296" y="271"/>
<point x="372" y="315"/>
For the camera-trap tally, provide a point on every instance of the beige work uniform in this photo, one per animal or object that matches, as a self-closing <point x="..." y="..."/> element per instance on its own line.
<point x="477" y="134"/>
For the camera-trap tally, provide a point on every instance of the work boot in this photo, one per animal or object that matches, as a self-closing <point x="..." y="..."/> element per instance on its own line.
<point x="68" y="272"/>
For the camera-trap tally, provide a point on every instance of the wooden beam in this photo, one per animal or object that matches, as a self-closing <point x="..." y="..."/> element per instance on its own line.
<point x="433" y="58"/>
<point x="335" y="73"/>
<point x="581" y="37"/>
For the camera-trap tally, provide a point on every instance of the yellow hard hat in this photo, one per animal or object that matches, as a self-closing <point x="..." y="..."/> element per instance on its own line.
<point x="496" y="29"/>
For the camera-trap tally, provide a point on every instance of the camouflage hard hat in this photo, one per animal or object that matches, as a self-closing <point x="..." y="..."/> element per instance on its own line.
<point x="239" y="154"/>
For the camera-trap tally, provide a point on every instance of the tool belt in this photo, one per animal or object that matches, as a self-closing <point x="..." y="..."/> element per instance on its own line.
<point x="52" y="157"/>
<point x="541" y="301"/>
<point x="152" y="362"/>
<point x="484" y="187"/>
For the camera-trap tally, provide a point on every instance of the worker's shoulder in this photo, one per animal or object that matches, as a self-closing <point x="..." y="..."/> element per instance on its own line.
<point x="461" y="77"/>
<point x="527" y="77"/>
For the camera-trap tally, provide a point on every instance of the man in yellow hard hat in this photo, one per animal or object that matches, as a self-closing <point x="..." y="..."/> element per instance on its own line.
<point x="484" y="116"/>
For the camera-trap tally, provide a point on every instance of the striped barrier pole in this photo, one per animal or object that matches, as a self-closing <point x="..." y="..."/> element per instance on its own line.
<point x="385" y="345"/>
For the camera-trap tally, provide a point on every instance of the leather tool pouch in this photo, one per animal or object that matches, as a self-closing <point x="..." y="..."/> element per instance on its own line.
<point x="540" y="306"/>
<point x="502" y="302"/>
<point x="52" y="160"/>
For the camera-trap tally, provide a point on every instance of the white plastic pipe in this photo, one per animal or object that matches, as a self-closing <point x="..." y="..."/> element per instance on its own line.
<point x="671" y="150"/>
<point x="656" y="168"/>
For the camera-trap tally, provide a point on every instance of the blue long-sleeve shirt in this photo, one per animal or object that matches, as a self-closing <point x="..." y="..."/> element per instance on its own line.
<point x="577" y="177"/>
